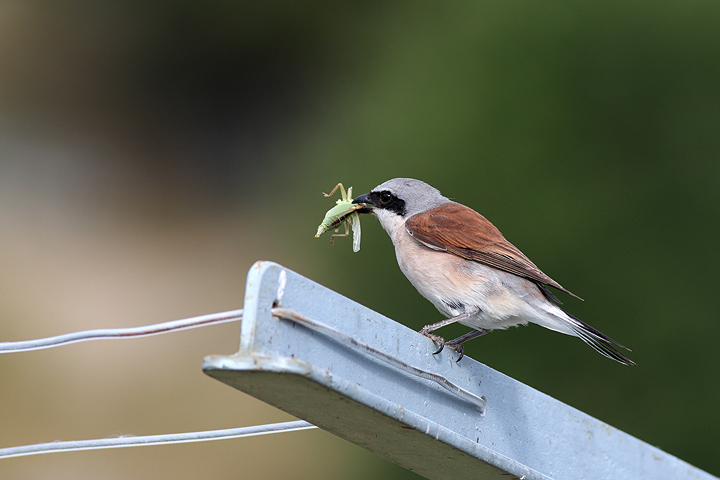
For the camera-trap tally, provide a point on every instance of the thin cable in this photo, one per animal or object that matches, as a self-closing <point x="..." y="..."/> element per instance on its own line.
<point x="106" y="333"/>
<point x="132" y="441"/>
<point x="294" y="316"/>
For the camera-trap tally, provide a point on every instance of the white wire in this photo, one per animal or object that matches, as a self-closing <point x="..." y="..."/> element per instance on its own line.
<point x="105" y="333"/>
<point x="132" y="441"/>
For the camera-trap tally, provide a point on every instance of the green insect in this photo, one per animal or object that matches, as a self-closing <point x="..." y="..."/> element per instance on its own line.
<point x="344" y="212"/>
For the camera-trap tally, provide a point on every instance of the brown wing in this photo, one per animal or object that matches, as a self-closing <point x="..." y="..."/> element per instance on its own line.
<point x="457" y="229"/>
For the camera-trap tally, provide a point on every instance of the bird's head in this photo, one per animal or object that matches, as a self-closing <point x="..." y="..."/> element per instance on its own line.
<point x="403" y="197"/>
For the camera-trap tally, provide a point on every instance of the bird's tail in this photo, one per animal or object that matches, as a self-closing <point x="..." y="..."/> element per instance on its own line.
<point x="600" y="342"/>
<point x="560" y="321"/>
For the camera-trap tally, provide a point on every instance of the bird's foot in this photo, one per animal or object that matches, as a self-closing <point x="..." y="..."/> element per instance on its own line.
<point x="456" y="347"/>
<point x="435" y="338"/>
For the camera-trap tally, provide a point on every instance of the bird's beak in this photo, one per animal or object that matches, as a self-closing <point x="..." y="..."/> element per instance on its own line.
<point x="369" y="205"/>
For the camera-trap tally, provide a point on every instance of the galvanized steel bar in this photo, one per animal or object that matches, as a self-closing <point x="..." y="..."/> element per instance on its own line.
<point x="376" y="383"/>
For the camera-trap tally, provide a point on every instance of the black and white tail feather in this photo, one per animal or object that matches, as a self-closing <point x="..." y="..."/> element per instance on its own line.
<point x="600" y="342"/>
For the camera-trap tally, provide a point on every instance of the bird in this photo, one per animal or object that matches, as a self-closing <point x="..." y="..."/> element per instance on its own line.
<point x="465" y="267"/>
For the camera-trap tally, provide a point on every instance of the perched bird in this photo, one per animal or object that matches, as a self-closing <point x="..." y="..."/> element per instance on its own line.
<point x="459" y="261"/>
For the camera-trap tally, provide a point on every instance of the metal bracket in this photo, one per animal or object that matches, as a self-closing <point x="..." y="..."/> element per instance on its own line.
<point x="365" y="378"/>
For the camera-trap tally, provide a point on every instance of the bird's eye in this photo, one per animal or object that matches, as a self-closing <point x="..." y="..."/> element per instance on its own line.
<point x="385" y="198"/>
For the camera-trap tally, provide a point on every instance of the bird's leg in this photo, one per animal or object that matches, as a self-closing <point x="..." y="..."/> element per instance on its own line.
<point x="457" y="344"/>
<point x="428" y="329"/>
<point x="442" y="323"/>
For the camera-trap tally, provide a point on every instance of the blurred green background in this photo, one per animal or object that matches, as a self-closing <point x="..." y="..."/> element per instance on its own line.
<point x="150" y="152"/>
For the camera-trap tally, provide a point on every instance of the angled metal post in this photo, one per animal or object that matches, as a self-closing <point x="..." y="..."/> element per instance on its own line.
<point x="363" y="377"/>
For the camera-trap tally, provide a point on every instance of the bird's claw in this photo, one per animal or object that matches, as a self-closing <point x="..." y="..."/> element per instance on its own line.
<point x="441" y="341"/>
<point x="456" y="348"/>
<point x="435" y="338"/>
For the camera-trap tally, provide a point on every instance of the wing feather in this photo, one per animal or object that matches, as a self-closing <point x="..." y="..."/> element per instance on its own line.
<point x="462" y="231"/>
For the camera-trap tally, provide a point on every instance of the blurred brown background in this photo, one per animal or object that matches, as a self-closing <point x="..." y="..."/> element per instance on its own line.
<point x="150" y="152"/>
